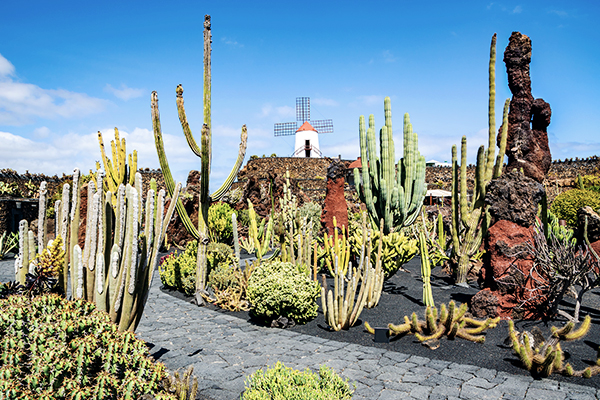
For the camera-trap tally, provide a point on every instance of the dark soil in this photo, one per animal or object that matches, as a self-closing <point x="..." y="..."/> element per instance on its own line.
<point x="402" y="296"/>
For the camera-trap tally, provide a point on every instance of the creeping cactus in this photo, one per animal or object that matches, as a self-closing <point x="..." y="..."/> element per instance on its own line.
<point x="392" y="192"/>
<point x="470" y="219"/>
<point x="543" y="357"/>
<point x="205" y="153"/>
<point x="451" y="321"/>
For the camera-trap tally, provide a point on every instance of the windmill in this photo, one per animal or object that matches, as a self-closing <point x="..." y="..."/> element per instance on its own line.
<point x="305" y="130"/>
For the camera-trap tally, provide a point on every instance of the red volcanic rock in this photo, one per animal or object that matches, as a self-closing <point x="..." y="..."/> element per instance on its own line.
<point x="335" y="201"/>
<point x="508" y="276"/>
<point x="527" y="142"/>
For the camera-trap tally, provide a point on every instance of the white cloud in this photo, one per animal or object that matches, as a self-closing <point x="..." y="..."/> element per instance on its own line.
<point x="231" y="42"/>
<point x="6" y="68"/>
<point x="325" y="102"/>
<point x="517" y="10"/>
<point x="560" y="13"/>
<point x="41" y="132"/>
<point x="370" y="100"/>
<point x="124" y="93"/>
<point x="22" y="103"/>
<point x="269" y="110"/>
<point x="388" y="56"/>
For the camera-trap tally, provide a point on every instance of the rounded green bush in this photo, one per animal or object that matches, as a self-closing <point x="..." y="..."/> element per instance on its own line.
<point x="281" y="383"/>
<point x="179" y="271"/>
<point x="566" y="204"/>
<point x="280" y="289"/>
<point x="59" y="349"/>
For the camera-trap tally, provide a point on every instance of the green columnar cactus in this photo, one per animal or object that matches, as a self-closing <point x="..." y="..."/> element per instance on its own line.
<point x="547" y="356"/>
<point x="205" y="153"/>
<point x="470" y="219"/>
<point x="425" y="271"/>
<point x="117" y="171"/>
<point x="396" y="195"/>
<point x="451" y="321"/>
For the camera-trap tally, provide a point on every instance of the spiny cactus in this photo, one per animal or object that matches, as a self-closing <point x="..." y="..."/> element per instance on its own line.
<point x="117" y="170"/>
<point x="115" y="268"/>
<point x="451" y="322"/>
<point x="425" y="271"/>
<point x="341" y="306"/>
<point x="60" y="349"/>
<point x="205" y="153"/>
<point x="541" y="359"/>
<point x="470" y="219"/>
<point x="394" y="193"/>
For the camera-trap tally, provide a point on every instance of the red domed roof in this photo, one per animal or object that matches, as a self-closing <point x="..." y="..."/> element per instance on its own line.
<point x="306" y="127"/>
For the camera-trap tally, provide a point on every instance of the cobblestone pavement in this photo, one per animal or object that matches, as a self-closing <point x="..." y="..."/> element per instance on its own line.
<point x="224" y="350"/>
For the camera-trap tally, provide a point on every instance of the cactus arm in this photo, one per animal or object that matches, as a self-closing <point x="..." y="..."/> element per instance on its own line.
<point x="217" y="195"/>
<point x="164" y="165"/>
<point x="184" y="123"/>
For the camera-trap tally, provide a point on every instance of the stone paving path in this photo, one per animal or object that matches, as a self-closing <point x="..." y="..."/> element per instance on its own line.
<point x="224" y="350"/>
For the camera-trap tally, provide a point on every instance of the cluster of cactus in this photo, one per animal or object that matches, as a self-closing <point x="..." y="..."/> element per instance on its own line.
<point x="341" y="306"/>
<point x="59" y="349"/>
<point x="117" y="171"/>
<point x="552" y="227"/>
<point x="259" y="236"/>
<point x="547" y="356"/>
<point x="394" y="193"/>
<point x="115" y="268"/>
<point x="436" y="239"/>
<point x="451" y="322"/>
<point x="397" y="248"/>
<point x="204" y="152"/>
<point x="470" y="219"/>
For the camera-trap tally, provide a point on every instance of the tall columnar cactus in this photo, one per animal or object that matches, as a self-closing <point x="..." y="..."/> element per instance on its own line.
<point x="205" y="153"/>
<point x="392" y="192"/>
<point x="470" y="219"/>
<point x="425" y="270"/>
<point x="115" y="268"/>
<point x="117" y="170"/>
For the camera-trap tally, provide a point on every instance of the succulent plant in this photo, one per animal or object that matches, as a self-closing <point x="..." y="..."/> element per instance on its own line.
<point x="547" y="356"/>
<point x="451" y="322"/>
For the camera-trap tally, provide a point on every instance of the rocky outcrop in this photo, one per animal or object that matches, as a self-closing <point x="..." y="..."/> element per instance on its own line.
<point x="508" y="275"/>
<point x="527" y="143"/>
<point x="514" y="197"/>
<point x="335" y="201"/>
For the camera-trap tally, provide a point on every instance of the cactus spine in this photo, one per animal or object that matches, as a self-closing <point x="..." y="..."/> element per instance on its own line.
<point x="204" y="152"/>
<point x="394" y="195"/>
<point x="470" y="220"/>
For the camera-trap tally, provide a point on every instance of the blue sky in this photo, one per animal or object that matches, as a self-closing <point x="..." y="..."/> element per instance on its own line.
<point x="70" y="69"/>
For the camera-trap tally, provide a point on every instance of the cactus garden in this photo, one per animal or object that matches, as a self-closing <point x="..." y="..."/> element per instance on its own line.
<point x="380" y="275"/>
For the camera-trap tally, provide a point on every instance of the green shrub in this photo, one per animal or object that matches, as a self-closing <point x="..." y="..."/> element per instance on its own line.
<point x="280" y="289"/>
<point x="53" y="348"/>
<point x="281" y="382"/>
<point x="219" y="222"/>
<point x="566" y="204"/>
<point x="179" y="271"/>
<point x="243" y="217"/>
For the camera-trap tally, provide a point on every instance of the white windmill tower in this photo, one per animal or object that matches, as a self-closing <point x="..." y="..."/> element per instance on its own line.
<point x="307" y="134"/>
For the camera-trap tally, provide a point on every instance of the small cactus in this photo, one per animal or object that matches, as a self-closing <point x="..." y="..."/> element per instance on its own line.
<point x="451" y="322"/>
